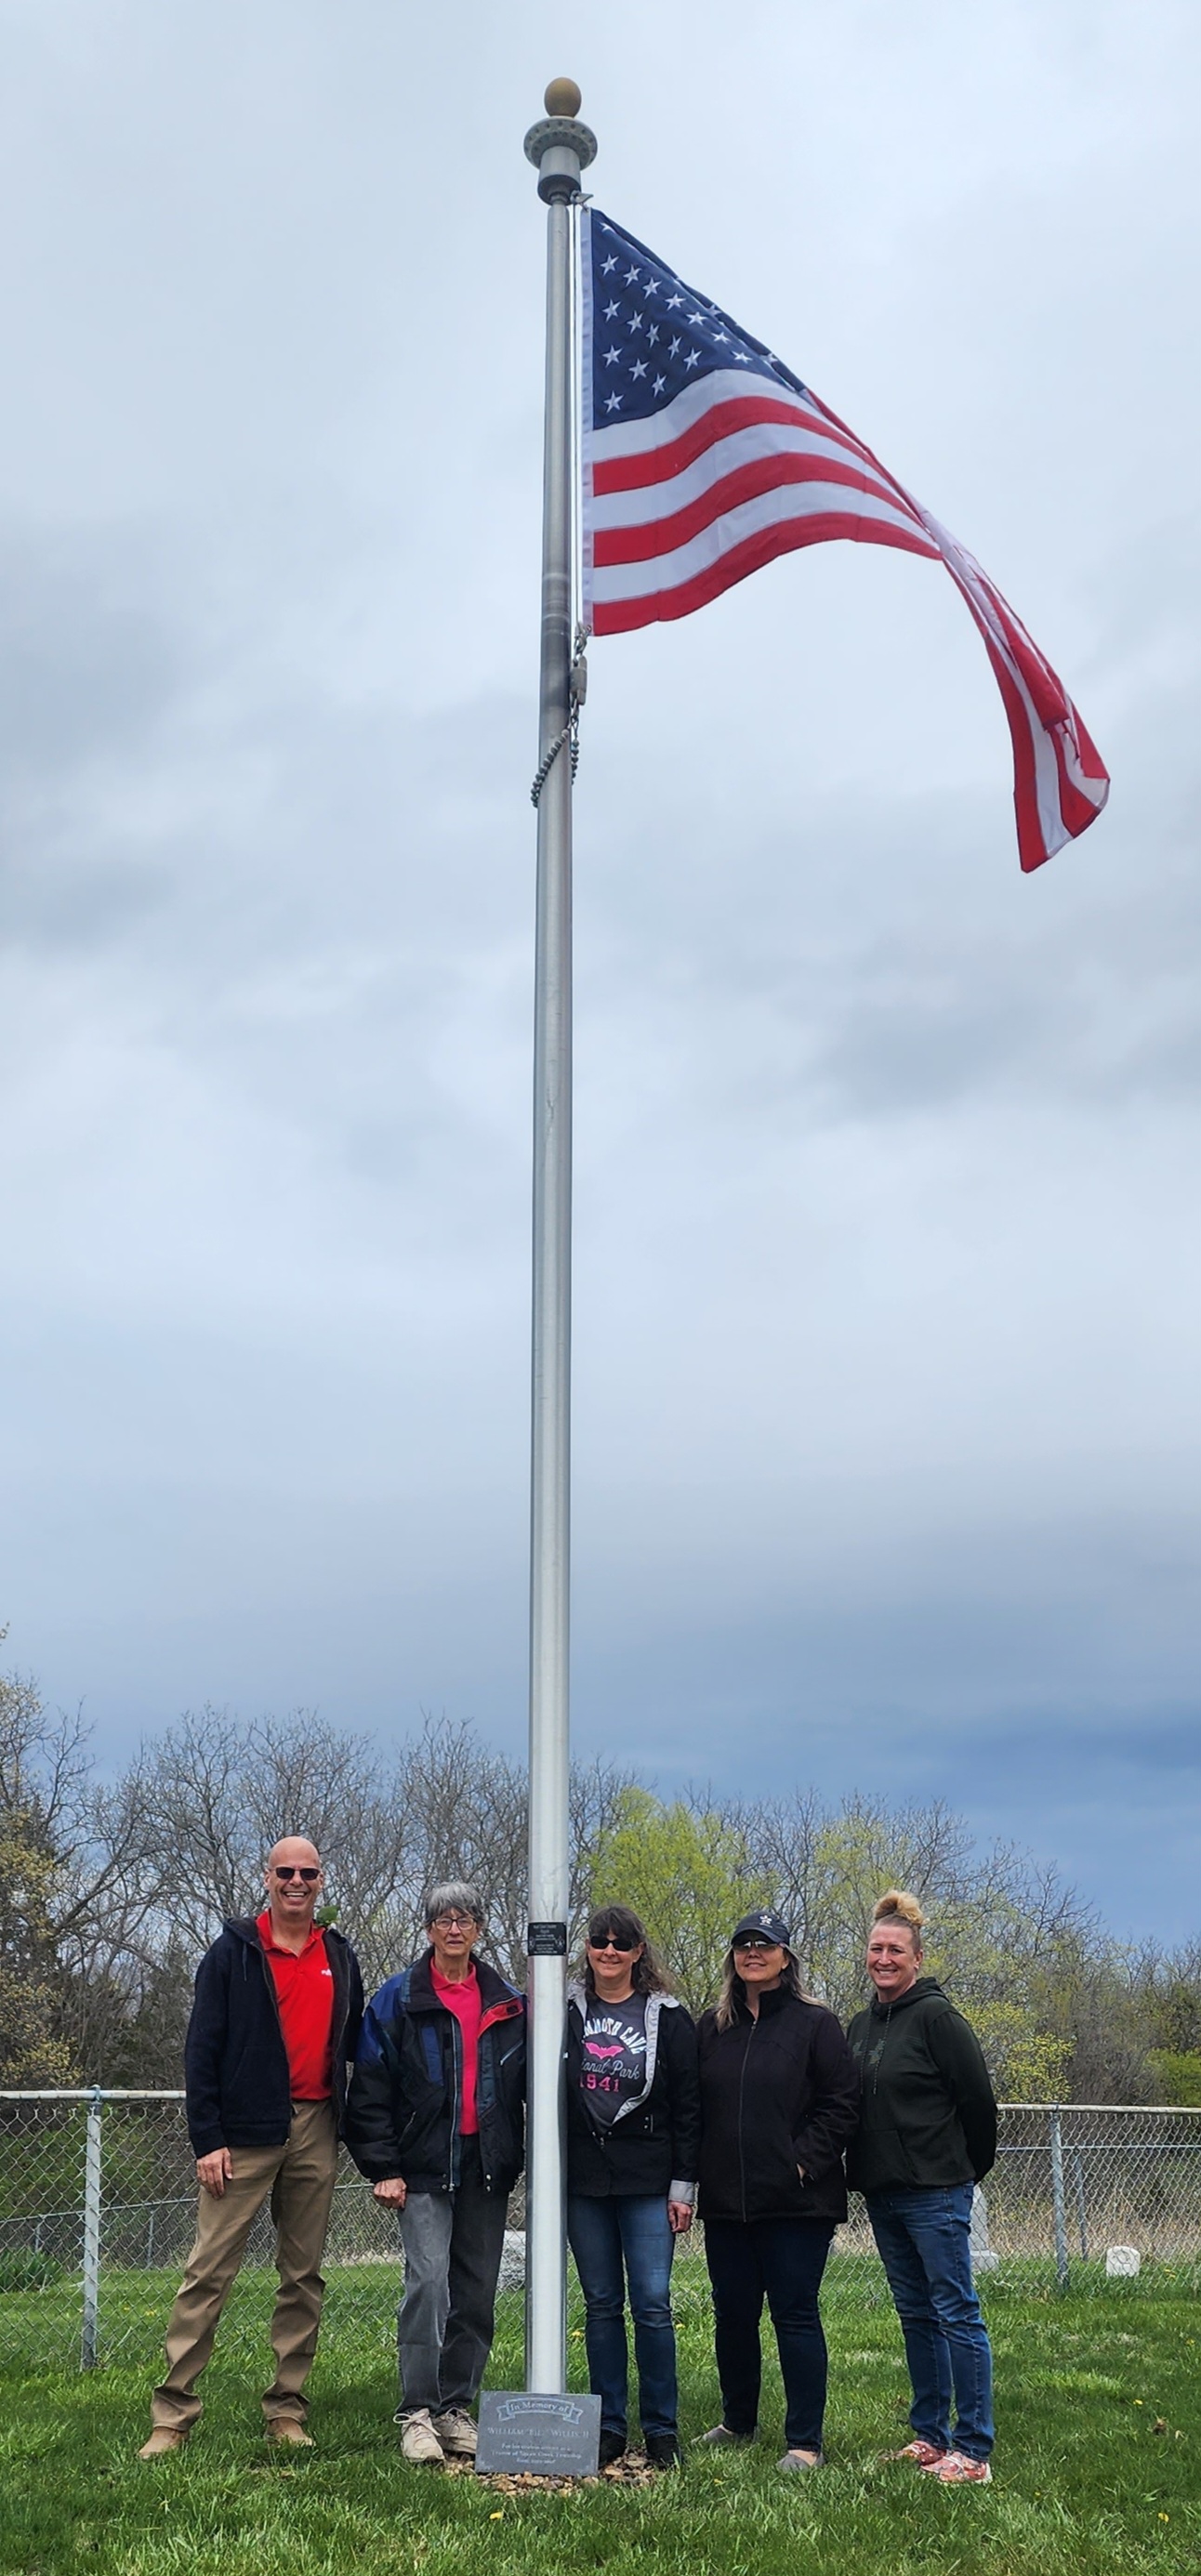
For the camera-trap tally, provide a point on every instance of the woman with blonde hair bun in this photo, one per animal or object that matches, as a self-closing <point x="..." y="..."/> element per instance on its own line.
<point x="927" y="2134"/>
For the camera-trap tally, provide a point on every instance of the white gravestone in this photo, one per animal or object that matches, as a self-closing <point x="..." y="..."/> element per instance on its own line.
<point x="983" y="2257"/>
<point x="1122" y="2262"/>
<point x="512" y="2261"/>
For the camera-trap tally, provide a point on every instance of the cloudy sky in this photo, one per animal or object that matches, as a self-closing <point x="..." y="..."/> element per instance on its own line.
<point x="887" y="1397"/>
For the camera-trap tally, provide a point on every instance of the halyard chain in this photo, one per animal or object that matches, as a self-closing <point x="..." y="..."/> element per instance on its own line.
<point x="571" y="730"/>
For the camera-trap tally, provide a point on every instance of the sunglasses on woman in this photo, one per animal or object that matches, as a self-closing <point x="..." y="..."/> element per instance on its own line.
<point x="610" y="1942"/>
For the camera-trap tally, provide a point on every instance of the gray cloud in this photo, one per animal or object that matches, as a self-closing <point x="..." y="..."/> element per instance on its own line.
<point x="885" y="1346"/>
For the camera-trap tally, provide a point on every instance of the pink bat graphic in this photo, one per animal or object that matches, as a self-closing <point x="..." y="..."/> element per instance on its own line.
<point x="597" y="2048"/>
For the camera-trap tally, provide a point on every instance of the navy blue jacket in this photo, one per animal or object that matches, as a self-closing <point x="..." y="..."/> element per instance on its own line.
<point x="235" y="2061"/>
<point x="407" y="2087"/>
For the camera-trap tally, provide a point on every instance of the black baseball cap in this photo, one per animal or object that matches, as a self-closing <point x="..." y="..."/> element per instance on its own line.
<point x="772" y="1927"/>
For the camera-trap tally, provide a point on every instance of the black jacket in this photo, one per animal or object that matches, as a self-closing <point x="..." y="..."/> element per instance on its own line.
<point x="407" y="2086"/>
<point x="776" y="2093"/>
<point x="929" y="2115"/>
<point x="235" y="2061"/>
<point x="652" y="2145"/>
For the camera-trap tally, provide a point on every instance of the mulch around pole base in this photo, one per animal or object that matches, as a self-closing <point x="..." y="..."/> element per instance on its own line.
<point x="634" y="2470"/>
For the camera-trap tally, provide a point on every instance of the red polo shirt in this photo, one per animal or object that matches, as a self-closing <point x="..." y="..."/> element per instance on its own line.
<point x="304" y="1991"/>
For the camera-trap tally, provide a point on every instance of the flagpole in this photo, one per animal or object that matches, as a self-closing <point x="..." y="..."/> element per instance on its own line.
<point x="560" y="149"/>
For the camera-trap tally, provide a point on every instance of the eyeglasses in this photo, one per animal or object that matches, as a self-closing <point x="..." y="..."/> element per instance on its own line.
<point x="453" y="1922"/>
<point x="610" y="1944"/>
<point x="308" y="1875"/>
<point x="754" y="1941"/>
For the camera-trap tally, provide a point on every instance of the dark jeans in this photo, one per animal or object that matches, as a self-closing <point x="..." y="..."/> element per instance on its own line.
<point x="782" y="2260"/>
<point x="453" y="2242"/>
<point x="603" y="2234"/>
<point x="925" y="2248"/>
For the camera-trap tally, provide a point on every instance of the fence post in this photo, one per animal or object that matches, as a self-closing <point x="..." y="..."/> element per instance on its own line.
<point x="89" y="2338"/>
<point x="1057" y="2199"/>
<point x="1081" y="2210"/>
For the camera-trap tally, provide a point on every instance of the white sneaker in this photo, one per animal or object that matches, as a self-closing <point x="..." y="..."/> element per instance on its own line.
<point x="456" y="2433"/>
<point x="419" y="2444"/>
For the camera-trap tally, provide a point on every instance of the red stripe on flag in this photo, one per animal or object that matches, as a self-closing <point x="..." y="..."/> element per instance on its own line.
<point x="1032" y="848"/>
<point x="620" y="616"/>
<point x="641" y="544"/>
<point x="721" y="420"/>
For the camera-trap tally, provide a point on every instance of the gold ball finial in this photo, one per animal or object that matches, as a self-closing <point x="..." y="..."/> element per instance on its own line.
<point x="562" y="98"/>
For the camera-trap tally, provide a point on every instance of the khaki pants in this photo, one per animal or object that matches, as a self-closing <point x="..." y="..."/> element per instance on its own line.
<point x="300" y="2179"/>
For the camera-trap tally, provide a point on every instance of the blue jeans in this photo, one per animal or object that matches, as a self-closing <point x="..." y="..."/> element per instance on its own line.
<point x="782" y="2260"/>
<point x="602" y="2234"/>
<point x="923" y="2241"/>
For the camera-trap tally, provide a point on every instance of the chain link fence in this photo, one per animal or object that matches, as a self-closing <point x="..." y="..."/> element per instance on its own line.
<point x="98" y="2206"/>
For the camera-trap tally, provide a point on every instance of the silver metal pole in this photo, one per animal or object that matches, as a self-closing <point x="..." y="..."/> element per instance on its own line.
<point x="89" y="2340"/>
<point x="560" y="149"/>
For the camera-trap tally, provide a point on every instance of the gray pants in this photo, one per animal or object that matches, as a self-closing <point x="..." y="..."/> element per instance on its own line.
<point x="453" y="2242"/>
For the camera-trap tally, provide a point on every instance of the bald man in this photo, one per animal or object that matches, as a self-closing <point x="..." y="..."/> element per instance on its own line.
<point x="275" y="2021"/>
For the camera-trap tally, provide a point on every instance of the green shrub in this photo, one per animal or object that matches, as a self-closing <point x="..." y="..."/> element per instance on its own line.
<point x="24" y="2269"/>
<point x="1178" y="2071"/>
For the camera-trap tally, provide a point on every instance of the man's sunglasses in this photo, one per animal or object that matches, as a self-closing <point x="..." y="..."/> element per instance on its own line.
<point x="308" y="1875"/>
<point x="610" y="1943"/>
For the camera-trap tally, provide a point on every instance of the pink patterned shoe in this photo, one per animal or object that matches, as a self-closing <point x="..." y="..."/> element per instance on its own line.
<point x="928" y="2455"/>
<point x="955" y="2469"/>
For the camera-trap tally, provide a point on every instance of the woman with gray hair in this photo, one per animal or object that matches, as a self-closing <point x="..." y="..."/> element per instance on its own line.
<point x="436" y="2122"/>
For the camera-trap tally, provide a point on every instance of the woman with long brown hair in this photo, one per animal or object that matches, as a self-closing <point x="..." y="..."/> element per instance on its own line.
<point x="633" y="2121"/>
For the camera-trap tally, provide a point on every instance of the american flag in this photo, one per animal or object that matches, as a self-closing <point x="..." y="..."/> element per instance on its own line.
<point x="704" y="456"/>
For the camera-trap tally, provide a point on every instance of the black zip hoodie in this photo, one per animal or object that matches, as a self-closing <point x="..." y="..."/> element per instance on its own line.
<point x="235" y="2063"/>
<point x="929" y="2115"/>
<point x="777" y="2093"/>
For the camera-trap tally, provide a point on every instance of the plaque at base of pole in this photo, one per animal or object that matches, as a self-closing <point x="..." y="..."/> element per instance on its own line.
<point x="524" y="2435"/>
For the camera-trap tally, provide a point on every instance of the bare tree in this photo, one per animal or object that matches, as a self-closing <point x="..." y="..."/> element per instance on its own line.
<point x="107" y="1897"/>
<point x="207" y="1802"/>
<point x="72" y="1902"/>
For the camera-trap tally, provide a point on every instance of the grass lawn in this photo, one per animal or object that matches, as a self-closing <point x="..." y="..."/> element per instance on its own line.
<point x="1097" y="2465"/>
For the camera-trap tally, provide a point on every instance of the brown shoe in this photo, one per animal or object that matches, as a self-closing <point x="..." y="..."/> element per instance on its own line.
<point x="165" y="2437"/>
<point x="289" y="2430"/>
